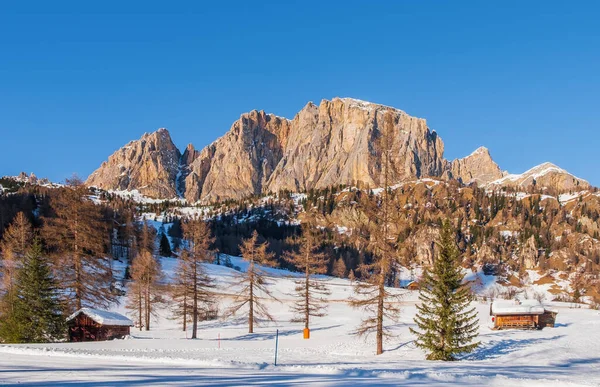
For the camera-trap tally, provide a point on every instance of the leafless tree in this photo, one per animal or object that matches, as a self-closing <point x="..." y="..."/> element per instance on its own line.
<point x="253" y="282"/>
<point x="309" y="291"/>
<point x="79" y="237"/>
<point x="371" y="292"/>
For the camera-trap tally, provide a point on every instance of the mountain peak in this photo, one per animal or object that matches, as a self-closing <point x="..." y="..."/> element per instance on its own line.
<point x="546" y="175"/>
<point x="363" y="105"/>
<point x="149" y="165"/>
<point x="480" y="151"/>
<point x="478" y="167"/>
<point x="323" y="146"/>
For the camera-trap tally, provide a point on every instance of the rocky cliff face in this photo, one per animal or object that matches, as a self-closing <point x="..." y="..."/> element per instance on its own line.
<point x="336" y="143"/>
<point x="240" y="163"/>
<point x="333" y="143"/>
<point x="325" y="145"/>
<point x="150" y="165"/>
<point x="477" y="168"/>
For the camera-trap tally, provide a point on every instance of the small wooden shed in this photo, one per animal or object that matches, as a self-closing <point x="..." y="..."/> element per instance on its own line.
<point x="526" y="314"/>
<point x="89" y="324"/>
<point x="413" y="285"/>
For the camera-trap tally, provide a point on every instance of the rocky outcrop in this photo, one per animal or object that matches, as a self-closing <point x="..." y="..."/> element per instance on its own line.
<point x="329" y="144"/>
<point x="336" y="142"/>
<point x="240" y="163"/>
<point x="477" y="168"/>
<point x="546" y="175"/>
<point x="150" y="165"/>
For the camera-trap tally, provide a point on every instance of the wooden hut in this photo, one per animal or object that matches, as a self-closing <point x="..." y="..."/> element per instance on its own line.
<point x="413" y="285"/>
<point x="89" y="324"/>
<point x="527" y="314"/>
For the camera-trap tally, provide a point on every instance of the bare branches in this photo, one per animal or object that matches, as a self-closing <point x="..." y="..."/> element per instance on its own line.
<point x="253" y="282"/>
<point x="79" y="238"/>
<point x="192" y="291"/>
<point x="145" y="289"/>
<point x="371" y="293"/>
<point x="308" y="291"/>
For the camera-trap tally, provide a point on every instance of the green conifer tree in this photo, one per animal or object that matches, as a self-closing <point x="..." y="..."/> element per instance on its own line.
<point x="165" y="246"/>
<point x="37" y="314"/>
<point x="447" y="325"/>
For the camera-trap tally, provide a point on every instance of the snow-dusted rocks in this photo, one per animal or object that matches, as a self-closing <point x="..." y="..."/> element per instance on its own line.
<point x="478" y="168"/>
<point x="329" y="144"/>
<point x="150" y="165"/>
<point x="544" y="175"/>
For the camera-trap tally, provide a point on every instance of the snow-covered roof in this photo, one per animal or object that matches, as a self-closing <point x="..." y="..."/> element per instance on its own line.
<point x="103" y="317"/>
<point x="503" y="308"/>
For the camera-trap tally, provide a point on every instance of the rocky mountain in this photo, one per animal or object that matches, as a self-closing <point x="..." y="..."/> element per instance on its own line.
<point x="544" y="175"/>
<point x="149" y="165"/>
<point x="478" y="167"/>
<point x="329" y="144"/>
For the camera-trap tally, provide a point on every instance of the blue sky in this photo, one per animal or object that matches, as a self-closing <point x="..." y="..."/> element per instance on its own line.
<point x="77" y="81"/>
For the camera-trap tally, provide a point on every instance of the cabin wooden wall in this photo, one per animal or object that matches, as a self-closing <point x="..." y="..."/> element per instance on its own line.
<point x="547" y="319"/>
<point x="83" y="328"/>
<point x="516" y="321"/>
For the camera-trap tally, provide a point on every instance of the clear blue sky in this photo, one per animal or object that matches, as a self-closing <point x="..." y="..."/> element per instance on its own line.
<point x="77" y="81"/>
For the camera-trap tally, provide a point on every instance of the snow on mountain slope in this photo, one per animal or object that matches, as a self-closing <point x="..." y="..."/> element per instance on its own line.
<point x="543" y="175"/>
<point x="225" y="354"/>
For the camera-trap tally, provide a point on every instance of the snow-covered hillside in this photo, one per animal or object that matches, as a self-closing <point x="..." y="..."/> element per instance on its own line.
<point x="225" y="354"/>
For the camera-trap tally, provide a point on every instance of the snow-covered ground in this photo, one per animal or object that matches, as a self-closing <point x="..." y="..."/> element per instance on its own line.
<point x="225" y="354"/>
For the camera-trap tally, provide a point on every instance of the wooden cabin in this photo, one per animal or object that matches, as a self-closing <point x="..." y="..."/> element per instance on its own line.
<point x="527" y="314"/>
<point x="413" y="285"/>
<point x="89" y="324"/>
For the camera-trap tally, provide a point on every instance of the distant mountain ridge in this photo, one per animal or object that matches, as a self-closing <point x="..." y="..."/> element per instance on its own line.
<point x="328" y="144"/>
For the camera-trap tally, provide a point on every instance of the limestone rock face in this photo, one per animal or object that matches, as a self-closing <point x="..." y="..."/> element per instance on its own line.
<point x="336" y="143"/>
<point x="544" y="175"/>
<point x="239" y="163"/>
<point x="330" y="144"/>
<point x="477" y="168"/>
<point x="150" y="165"/>
<point x="530" y="254"/>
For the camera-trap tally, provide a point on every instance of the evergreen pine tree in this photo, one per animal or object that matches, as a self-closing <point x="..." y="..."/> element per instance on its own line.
<point x="14" y="245"/>
<point x="37" y="314"/>
<point x="447" y="325"/>
<point x="165" y="246"/>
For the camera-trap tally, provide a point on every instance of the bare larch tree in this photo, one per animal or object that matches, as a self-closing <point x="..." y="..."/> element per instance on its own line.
<point x="371" y="292"/>
<point x="76" y="233"/>
<point x="145" y="287"/>
<point x="253" y="282"/>
<point x="309" y="291"/>
<point x="193" y="289"/>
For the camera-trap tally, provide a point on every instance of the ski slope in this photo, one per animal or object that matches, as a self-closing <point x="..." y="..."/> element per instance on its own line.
<point x="225" y="354"/>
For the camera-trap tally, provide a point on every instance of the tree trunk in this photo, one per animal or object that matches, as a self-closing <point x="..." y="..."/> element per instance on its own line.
<point x="185" y="310"/>
<point x="306" y="300"/>
<point x="147" y="300"/>
<point x="195" y="303"/>
<point x="380" y="316"/>
<point x="140" y="319"/>
<point x="251" y="312"/>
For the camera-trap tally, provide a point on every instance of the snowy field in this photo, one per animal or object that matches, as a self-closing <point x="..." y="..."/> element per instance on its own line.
<point x="225" y="354"/>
